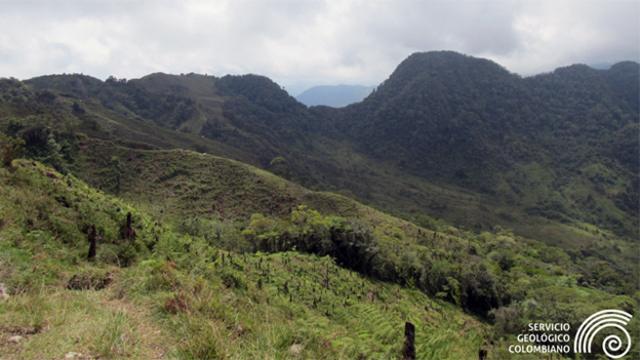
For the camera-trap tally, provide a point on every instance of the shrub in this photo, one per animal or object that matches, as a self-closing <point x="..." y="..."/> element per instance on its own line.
<point x="10" y="148"/>
<point x="479" y="294"/>
<point x="176" y="304"/>
<point x="230" y="280"/>
<point x="507" y="320"/>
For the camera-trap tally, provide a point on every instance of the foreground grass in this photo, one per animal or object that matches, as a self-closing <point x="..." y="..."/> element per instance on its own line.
<point x="257" y="306"/>
<point x="53" y="323"/>
<point x="179" y="297"/>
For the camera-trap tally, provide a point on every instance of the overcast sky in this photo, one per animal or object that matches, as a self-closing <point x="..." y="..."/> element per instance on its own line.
<point x="301" y="43"/>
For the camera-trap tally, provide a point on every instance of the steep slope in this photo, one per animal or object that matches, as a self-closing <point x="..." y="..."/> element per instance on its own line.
<point x="210" y="192"/>
<point x="468" y="141"/>
<point x="454" y="119"/>
<point x="178" y="269"/>
<point x="178" y="297"/>
<point x="431" y="116"/>
<point x="447" y="138"/>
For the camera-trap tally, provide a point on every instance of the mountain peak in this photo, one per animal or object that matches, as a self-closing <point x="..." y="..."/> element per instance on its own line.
<point x="625" y="66"/>
<point x="258" y="89"/>
<point x="433" y="72"/>
<point x="445" y="61"/>
<point x="78" y="85"/>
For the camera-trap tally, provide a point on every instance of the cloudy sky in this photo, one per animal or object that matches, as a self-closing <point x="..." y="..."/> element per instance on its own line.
<point x="301" y="43"/>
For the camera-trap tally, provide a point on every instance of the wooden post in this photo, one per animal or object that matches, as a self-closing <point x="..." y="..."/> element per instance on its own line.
<point x="127" y="231"/>
<point x="482" y="354"/>
<point x="409" y="349"/>
<point x="92" y="243"/>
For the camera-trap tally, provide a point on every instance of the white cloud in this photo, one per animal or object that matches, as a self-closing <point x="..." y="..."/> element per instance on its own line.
<point x="301" y="43"/>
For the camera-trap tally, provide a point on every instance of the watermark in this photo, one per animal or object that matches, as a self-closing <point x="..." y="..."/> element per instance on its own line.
<point x="543" y="338"/>
<point x="612" y="344"/>
<point x="550" y="338"/>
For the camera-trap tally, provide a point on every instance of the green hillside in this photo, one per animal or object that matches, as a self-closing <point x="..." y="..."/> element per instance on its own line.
<point x="178" y="279"/>
<point x="447" y="135"/>
<point x="135" y="294"/>
<point x="457" y="196"/>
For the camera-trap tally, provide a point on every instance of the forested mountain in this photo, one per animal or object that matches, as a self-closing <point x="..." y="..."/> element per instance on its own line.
<point x="561" y="146"/>
<point x="465" y="121"/>
<point x="506" y="191"/>
<point x="334" y="95"/>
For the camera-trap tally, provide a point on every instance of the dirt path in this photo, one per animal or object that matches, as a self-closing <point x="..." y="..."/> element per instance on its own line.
<point x="152" y="339"/>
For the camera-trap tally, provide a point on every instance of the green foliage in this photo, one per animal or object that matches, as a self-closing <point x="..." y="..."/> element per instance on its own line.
<point x="349" y="242"/>
<point x="519" y="175"/>
<point x="223" y="302"/>
<point x="10" y="149"/>
<point x="549" y="157"/>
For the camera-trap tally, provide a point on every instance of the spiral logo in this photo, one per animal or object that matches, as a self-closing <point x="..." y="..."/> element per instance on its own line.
<point x="612" y="344"/>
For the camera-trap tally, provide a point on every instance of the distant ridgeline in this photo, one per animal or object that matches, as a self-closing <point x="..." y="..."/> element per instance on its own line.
<point x="334" y="95"/>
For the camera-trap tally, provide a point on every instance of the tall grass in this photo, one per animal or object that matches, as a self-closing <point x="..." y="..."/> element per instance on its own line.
<point x="116" y="339"/>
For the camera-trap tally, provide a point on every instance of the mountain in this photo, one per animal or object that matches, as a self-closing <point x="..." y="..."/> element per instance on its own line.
<point x="455" y="119"/>
<point x="471" y="143"/>
<point x="334" y="95"/>
<point x="455" y="188"/>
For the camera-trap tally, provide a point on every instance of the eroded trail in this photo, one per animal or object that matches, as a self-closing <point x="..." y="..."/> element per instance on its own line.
<point x="79" y="324"/>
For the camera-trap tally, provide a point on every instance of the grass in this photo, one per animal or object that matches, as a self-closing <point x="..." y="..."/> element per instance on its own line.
<point x="193" y="305"/>
<point x="115" y="340"/>
<point x="280" y="300"/>
<point x="55" y="322"/>
<point x="180" y="297"/>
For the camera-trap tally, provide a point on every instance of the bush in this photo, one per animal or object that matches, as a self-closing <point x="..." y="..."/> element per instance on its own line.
<point x="200" y="342"/>
<point x="116" y="338"/>
<point x="10" y="148"/>
<point x="507" y="320"/>
<point x="479" y="294"/>
<point x="351" y="243"/>
<point x="231" y="280"/>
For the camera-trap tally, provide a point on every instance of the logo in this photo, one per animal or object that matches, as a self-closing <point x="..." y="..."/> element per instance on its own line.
<point x="612" y="344"/>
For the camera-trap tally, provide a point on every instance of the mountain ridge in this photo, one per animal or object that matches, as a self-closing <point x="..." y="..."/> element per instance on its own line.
<point x="336" y="96"/>
<point x="456" y="127"/>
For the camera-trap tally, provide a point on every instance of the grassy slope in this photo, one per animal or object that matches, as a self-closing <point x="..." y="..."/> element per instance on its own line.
<point x="338" y="167"/>
<point x="184" y="286"/>
<point x="231" y="305"/>
<point x="177" y="184"/>
<point x="182" y="183"/>
<point x="428" y="203"/>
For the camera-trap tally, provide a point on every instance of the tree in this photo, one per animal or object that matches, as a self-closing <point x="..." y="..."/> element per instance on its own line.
<point x="10" y="148"/>
<point x="54" y="153"/>
<point x="116" y="167"/>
